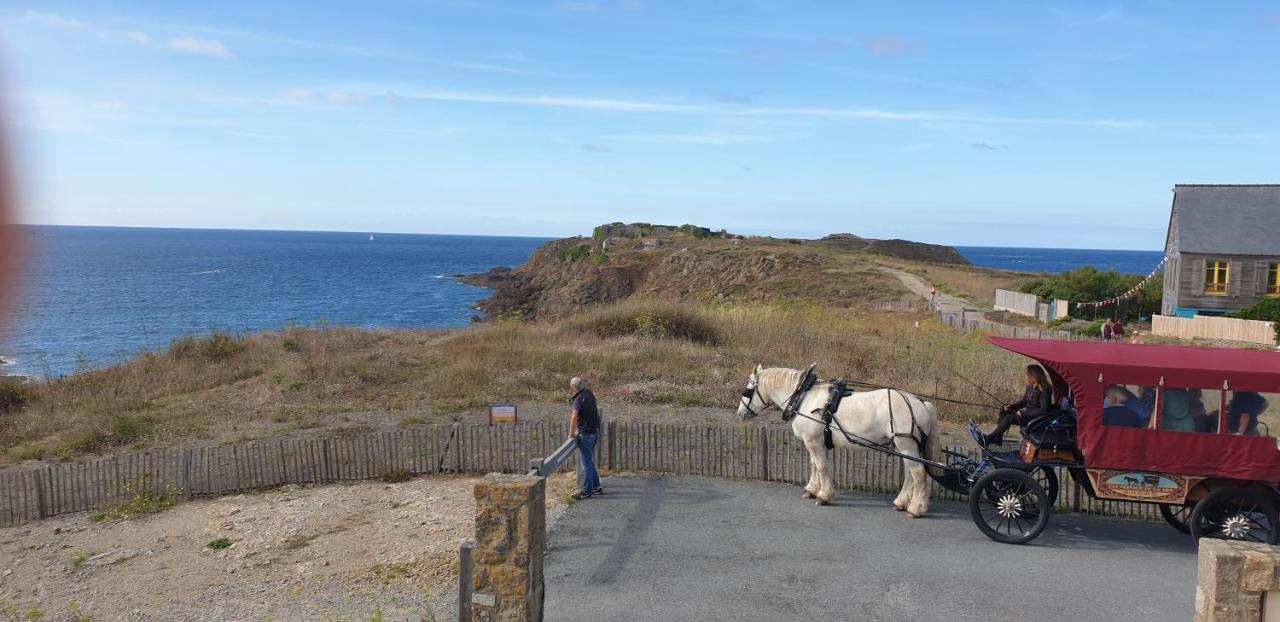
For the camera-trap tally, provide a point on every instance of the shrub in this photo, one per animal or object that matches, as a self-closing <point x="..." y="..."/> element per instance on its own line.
<point x="653" y="322"/>
<point x="576" y="253"/>
<point x="1266" y="310"/>
<point x="219" y="544"/>
<point x="1089" y="284"/>
<point x="291" y="345"/>
<point x="12" y="396"/>
<point x="217" y="347"/>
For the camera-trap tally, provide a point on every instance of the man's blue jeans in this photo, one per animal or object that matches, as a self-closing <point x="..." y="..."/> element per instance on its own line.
<point x="587" y="454"/>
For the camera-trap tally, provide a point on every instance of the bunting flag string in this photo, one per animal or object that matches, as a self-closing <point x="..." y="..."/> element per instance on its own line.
<point x="1129" y="293"/>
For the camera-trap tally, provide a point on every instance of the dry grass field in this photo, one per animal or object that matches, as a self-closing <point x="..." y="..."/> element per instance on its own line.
<point x="664" y="354"/>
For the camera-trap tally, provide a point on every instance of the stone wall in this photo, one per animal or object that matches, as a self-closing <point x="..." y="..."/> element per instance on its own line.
<point x="1233" y="579"/>
<point x="510" y="540"/>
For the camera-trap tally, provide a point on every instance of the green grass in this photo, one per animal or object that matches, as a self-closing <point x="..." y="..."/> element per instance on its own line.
<point x="219" y="544"/>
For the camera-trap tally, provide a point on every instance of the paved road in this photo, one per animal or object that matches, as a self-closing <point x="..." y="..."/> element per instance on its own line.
<point x="687" y="548"/>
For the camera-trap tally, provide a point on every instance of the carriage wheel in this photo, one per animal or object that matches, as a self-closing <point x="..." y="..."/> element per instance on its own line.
<point x="1009" y="506"/>
<point x="1178" y="516"/>
<point x="1048" y="480"/>
<point x="1235" y="514"/>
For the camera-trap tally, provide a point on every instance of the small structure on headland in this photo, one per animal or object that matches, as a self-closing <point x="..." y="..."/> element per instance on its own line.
<point x="1222" y="249"/>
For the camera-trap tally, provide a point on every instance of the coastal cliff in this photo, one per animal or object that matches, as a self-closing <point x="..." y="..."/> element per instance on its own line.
<point x="694" y="263"/>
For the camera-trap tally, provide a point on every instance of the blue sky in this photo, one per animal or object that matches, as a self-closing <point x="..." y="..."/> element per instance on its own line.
<point x="1004" y="123"/>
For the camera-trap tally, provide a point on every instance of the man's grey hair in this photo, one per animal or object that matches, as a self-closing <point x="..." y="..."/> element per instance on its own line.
<point x="578" y="384"/>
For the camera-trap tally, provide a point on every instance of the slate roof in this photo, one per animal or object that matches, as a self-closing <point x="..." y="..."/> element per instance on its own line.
<point x="1228" y="219"/>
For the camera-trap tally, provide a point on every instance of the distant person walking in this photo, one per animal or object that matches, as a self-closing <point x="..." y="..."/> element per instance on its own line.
<point x="584" y="425"/>
<point x="1106" y="330"/>
<point x="933" y="294"/>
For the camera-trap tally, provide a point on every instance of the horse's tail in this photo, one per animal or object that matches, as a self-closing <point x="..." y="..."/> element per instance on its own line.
<point x="932" y="449"/>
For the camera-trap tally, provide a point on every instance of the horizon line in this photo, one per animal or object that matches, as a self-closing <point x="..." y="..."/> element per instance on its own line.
<point x="542" y="237"/>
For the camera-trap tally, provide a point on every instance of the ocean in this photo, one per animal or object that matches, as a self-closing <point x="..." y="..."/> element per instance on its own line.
<point x="93" y="296"/>
<point x="96" y="295"/>
<point x="1056" y="260"/>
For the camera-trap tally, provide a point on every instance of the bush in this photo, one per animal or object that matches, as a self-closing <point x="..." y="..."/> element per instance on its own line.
<point x="1090" y="284"/>
<point x="576" y="253"/>
<point x="217" y="347"/>
<point x="653" y="322"/>
<point x="219" y="543"/>
<point x="1266" y="310"/>
<point x="12" y="396"/>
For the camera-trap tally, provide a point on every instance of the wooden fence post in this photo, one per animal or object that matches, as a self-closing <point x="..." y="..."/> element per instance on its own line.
<point x="186" y="473"/>
<point x="764" y="454"/>
<point x="466" y="570"/>
<point x="42" y="509"/>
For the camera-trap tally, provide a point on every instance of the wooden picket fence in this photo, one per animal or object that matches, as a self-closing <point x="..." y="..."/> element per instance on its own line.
<point x="754" y="452"/>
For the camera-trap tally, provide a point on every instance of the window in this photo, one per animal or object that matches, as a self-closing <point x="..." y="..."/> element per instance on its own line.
<point x="1165" y="408"/>
<point x="1251" y="413"/>
<point x="1128" y="406"/>
<point x="1217" y="276"/>
<point x="1273" y="279"/>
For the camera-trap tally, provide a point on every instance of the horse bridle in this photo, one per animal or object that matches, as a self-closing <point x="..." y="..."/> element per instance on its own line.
<point x="748" y="394"/>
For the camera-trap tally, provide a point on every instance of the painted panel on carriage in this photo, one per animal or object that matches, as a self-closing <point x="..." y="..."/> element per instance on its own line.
<point x="1140" y="486"/>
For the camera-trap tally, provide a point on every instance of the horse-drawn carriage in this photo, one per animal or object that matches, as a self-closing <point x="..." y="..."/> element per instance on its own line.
<point x="1183" y="428"/>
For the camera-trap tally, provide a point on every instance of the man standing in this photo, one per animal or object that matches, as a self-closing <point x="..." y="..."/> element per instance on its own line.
<point x="584" y="425"/>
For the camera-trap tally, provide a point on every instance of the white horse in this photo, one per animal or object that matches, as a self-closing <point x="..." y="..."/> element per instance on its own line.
<point x="880" y="417"/>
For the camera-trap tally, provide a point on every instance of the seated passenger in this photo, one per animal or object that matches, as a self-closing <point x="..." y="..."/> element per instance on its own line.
<point x="1195" y="406"/>
<point x="1114" y="410"/>
<point x="1176" y="414"/>
<point x="1036" y="401"/>
<point x="1243" y="411"/>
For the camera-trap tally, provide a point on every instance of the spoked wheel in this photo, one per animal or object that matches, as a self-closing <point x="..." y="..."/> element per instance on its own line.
<point x="1178" y="516"/>
<point x="1009" y="506"/>
<point x="1235" y="514"/>
<point x="1048" y="480"/>
<point x="1044" y="476"/>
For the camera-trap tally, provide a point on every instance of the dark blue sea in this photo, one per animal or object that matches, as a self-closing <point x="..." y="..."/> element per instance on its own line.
<point x="96" y="295"/>
<point x="1061" y="259"/>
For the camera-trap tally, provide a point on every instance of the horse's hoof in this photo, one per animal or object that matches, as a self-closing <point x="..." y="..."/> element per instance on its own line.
<point x="912" y="515"/>
<point x="822" y="502"/>
<point x="899" y="508"/>
<point x="807" y="495"/>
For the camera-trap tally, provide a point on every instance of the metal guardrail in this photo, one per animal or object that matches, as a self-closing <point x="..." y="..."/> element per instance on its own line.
<point x="544" y="467"/>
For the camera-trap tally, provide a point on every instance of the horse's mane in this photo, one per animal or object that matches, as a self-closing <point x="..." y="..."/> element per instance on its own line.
<point x="776" y="378"/>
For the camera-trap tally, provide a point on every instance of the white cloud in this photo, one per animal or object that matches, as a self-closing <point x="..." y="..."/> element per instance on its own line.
<point x="594" y="148"/>
<point x="336" y="98"/>
<point x="110" y="105"/>
<point x="135" y="36"/>
<point x="247" y="134"/>
<point x="53" y="20"/>
<point x="619" y="105"/>
<point x="697" y="138"/>
<point x="205" y="47"/>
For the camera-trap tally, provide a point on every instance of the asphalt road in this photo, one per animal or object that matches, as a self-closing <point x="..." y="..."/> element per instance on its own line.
<point x="688" y="548"/>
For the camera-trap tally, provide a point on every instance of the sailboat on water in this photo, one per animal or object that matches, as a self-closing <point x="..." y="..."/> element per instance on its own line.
<point x="370" y="237"/>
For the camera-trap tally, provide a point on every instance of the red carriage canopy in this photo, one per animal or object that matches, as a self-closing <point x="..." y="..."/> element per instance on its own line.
<point x="1088" y="368"/>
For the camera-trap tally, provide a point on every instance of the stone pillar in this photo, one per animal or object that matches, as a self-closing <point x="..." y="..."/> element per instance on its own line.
<point x="511" y="536"/>
<point x="1233" y="578"/>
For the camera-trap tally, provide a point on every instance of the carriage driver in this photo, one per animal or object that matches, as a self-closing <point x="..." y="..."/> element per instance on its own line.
<point x="1036" y="401"/>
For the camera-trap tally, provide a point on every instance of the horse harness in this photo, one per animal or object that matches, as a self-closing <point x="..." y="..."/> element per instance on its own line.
<point x="839" y="390"/>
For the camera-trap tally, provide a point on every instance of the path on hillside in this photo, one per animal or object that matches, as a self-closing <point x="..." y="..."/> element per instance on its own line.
<point x="946" y="302"/>
<point x="688" y="548"/>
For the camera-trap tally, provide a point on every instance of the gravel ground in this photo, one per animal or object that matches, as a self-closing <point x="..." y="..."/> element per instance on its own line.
<point x="345" y="551"/>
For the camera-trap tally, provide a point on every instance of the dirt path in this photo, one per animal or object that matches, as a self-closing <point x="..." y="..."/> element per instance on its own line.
<point x="947" y="302"/>
<point x="365" y="550"/>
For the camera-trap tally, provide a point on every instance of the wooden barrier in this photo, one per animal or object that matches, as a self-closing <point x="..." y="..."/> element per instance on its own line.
<point x="756" y="452"/>
<point x="1211" y="327"/>
<point x="1017" y="302"/>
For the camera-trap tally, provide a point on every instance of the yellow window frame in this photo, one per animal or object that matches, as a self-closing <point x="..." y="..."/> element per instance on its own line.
<point x="1217" y="277"/>
<point x="1273" y="279"/>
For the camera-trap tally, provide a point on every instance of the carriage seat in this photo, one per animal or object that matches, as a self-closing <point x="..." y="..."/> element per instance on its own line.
<point x="1054" y="431"/>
